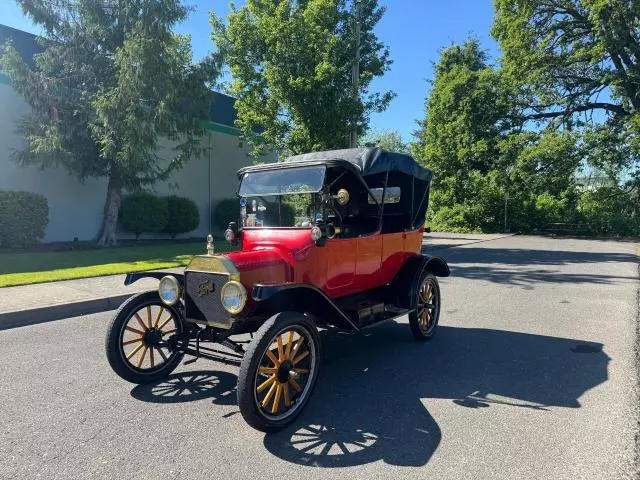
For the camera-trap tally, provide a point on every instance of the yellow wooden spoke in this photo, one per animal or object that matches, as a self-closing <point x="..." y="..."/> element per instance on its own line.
<point x="280" y="349"/>
<point x="273" y="358"/>
<point x="287" y="397"/>
<point x="266" y="383"/>
<point x="269" y="394"/>
<point x="137" y="317"/>
<point x="294" y="384"/>
<point x="134" y="351"/>
<point x="167" y="332"/>
<point x="276" y="400"/>
<point x="300" y="357"/>
<point x="160" y="312"/>
<point x="129" y="342"/>
<point x="131" y="329"/>
<point x="153" y="361"/>
<point x="268" y="370"/>
<point x="296" y="347"/>
<point x="161" y="326"/>
<point x="144" y="354"/>
<point x="164" y="357"/>
<point x="301" y="370"/>
<point x="289" y="345"/>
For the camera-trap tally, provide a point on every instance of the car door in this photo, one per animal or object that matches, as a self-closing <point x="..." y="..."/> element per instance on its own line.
<point x="340" y="257"/>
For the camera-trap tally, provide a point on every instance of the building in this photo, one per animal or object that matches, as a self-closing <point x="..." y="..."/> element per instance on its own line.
<point x="75" y="208"/>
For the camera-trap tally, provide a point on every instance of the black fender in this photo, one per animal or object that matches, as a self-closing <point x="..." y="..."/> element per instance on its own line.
<point x="406" y="281"/>
<point x="272" y="299"/>
<point x="134" y="277"/>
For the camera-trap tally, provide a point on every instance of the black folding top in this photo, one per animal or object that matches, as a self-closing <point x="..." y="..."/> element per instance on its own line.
<point x="369" y="161"/>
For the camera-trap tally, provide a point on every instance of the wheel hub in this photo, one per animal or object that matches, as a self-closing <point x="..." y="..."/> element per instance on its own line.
<point x="153" y="337"/>
<point x="283" y="371"/>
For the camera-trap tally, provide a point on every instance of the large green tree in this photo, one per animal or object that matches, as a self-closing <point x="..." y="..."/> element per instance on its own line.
<point x="113" y="78"/>
<point x="291" y="63"/>
<point x="472" y="138"/>
<point x="463" y="119"/>
<point x="579" y="63"/>
<point x="576" y="55"/>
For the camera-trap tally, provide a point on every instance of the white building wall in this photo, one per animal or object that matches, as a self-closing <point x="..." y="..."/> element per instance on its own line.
<point x="75" y="208"/>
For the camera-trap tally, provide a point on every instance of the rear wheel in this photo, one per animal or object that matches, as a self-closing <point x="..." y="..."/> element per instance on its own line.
<point x="279" y="371"/>
<point x="426" y="303"/>
<point x="136" y="344"/>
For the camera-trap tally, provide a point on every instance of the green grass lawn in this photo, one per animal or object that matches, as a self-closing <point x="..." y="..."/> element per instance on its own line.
<point x="36" y="267"/>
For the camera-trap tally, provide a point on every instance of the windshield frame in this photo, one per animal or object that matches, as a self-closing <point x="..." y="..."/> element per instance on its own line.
<point x="240" y="194"/>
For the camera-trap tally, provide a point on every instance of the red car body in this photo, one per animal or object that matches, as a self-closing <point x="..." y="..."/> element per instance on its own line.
<point x="341" y="267"/>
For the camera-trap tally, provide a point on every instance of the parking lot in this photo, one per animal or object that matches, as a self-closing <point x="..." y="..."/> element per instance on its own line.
<point x="532" y="374"/>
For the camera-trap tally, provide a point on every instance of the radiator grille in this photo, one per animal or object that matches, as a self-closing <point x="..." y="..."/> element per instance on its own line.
<point x="202" y="298"/>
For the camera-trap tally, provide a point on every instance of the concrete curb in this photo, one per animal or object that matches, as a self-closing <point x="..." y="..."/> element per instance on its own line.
<point x="22" y="318"/>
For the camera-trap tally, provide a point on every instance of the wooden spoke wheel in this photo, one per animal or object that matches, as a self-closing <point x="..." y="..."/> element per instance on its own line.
<point x="424" y="319"/>
<point x="137" y="340"/>
<point x="278" y="371"/>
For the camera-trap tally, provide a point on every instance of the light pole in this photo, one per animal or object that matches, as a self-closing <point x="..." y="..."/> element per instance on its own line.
<point x="355" y="73"/>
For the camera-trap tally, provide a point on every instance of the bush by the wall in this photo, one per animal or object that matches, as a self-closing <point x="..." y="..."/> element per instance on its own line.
<point x="227" y="210"/>
<point x="183" y="215"/>
<point x="144" y="213"/>
<point x="23" y="218"/>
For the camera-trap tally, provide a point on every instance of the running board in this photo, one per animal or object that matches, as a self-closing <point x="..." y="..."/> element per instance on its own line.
<point x="391" y="312"/>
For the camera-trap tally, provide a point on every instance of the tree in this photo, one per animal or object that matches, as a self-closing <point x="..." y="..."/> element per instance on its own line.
<point x="575" y="55"/>
<point x="574" y="58"/>
<point x="388" y="139"/>
<point x="472" y="138"/>
<point x="463" y="122"/>
<point x="291" y="63"/>
<point x="113" y="78"/>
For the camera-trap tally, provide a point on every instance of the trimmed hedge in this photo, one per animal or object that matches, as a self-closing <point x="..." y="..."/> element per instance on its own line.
<point x="144" y="213"/>
<point x="228" y="210"/>
<point x="23" y="218"/>
<point x="183" y="215"/>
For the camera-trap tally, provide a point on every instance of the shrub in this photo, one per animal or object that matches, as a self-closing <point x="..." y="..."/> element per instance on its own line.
<point x="23" y="218"/>
<point x="144" y="213"/>
<point x="183" y="215"/>
<point x="227" y="210"/>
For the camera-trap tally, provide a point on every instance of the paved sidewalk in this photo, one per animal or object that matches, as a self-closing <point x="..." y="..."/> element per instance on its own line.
<point x="43" y="302"/>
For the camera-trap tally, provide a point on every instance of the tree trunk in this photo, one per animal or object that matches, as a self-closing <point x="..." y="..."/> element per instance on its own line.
<point x="107" y="233"/>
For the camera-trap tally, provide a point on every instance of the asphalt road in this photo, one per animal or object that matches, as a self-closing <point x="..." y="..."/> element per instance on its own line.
<point x="531" y="375"/>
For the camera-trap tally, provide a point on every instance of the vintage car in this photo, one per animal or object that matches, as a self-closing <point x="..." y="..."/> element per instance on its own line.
<point x="349" y="260"/>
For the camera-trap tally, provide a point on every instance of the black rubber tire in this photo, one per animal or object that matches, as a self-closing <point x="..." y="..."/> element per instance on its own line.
<point x="261" y="341"/>
<point x="418" y="332"/>
<point x="113" y="346"/>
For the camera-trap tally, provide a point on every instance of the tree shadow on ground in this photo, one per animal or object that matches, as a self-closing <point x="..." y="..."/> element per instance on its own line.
<point x="526" y="267"/>
<point x="367" y="405"/>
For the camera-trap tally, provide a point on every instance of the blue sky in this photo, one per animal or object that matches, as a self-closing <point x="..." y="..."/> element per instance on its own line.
<point x="415" y="31"/>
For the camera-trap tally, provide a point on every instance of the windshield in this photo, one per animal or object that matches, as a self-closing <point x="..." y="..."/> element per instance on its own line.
<point x="282" y="181"/>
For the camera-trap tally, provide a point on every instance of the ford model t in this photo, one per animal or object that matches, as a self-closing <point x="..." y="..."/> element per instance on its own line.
<point x="349" y="259"/>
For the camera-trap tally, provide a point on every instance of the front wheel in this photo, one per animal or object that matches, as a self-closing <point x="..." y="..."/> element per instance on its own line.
<point x="426" y="302"/>
<point x="137" y="344"/>
<point x="279" y="371"/>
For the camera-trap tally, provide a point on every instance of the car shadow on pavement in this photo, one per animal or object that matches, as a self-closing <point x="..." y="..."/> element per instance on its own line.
<point x="190" y="387"/>
<point x="367" y="404"/>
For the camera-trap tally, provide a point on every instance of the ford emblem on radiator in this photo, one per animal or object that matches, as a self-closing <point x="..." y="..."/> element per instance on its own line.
<point x="205" y="288"/>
